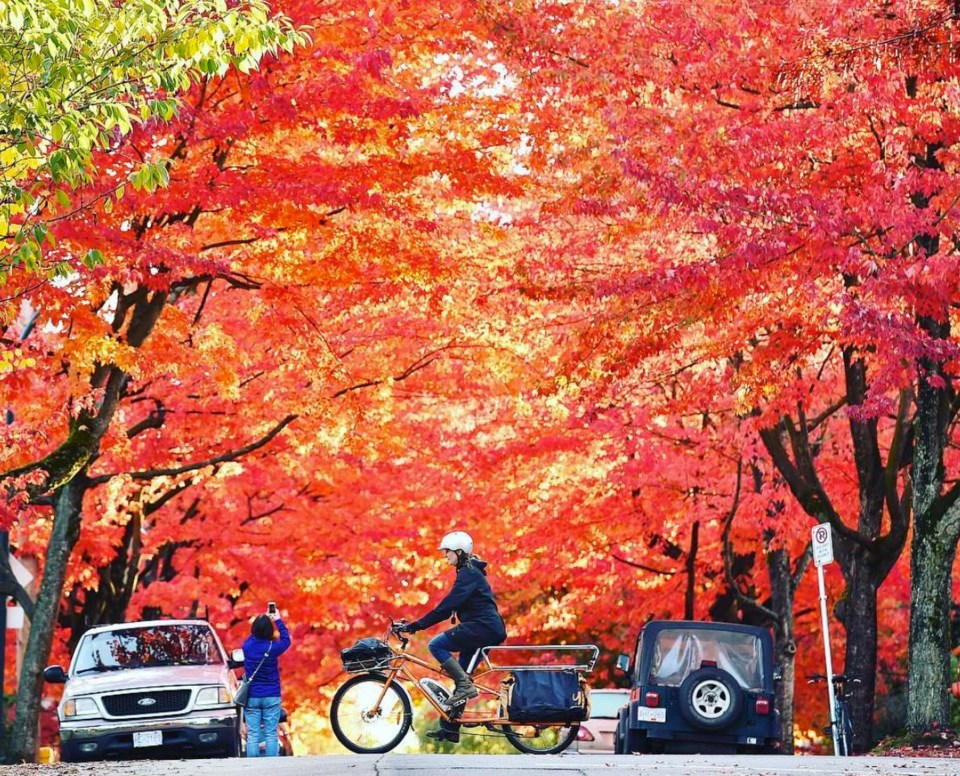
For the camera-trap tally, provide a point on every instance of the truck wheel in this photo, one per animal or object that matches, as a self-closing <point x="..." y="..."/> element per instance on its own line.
<point x="710" y="698"/>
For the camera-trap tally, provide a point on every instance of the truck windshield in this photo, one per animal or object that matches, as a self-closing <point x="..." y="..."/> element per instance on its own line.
<point x="144" y="647"/>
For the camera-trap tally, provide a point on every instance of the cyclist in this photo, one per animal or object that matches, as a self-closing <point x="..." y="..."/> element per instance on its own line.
<point x="472" y="603"/>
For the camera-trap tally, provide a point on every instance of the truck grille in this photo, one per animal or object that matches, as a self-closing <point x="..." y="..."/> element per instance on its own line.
<point x="138" y="703"/>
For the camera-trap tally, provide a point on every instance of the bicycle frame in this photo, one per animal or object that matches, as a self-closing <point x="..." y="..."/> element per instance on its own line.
<point x="840" y="724"/>
<point x="400" y="670"/>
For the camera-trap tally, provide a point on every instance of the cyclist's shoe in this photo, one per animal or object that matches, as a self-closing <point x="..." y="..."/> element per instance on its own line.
<point x="464" y="689"/>
<point x="442" y="735"/>
<point x="454" y="709"/>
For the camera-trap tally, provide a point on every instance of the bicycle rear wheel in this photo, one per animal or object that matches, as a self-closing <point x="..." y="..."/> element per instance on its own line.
<point x="362" y="725"/>
<point x="541" y="739"/>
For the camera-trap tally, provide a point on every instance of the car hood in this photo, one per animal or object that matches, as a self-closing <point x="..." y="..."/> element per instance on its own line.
<point x="140" y="678"/>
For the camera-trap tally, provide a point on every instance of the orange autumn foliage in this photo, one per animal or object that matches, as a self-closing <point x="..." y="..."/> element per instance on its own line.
<point x="488" y="266"/>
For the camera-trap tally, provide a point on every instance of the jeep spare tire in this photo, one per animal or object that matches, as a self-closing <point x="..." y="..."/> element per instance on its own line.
<point x="710" y="698"/>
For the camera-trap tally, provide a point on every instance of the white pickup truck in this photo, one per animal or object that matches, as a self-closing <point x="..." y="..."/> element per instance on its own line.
<point x="148" y="689"/>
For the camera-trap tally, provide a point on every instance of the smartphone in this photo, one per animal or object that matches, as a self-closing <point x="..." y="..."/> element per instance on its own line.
<point x="271" y="607"/>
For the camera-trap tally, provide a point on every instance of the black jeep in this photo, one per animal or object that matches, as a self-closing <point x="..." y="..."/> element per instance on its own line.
<point x="701" y="687"/>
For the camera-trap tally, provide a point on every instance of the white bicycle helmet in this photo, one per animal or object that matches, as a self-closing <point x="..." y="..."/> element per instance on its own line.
<point x="457" y="540"/>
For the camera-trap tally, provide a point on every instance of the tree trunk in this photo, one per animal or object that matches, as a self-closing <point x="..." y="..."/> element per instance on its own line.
<point x="935" y="535"/>
<point x="929" y="672"/>
<point x="66" y="528"/>
<point x="858" y="613"/>
<point x="690" y="598"/>
<point x="781" y="601"/>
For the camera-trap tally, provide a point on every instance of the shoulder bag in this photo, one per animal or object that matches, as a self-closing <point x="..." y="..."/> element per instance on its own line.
<point x="243" y="691"/>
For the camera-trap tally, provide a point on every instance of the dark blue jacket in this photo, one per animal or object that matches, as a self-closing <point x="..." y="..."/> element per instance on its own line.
<point x="472" y="601"/>
<point x="266" y="684"/>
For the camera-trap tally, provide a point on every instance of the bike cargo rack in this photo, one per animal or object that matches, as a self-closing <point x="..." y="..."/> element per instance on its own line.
<point x="583" y="662"/>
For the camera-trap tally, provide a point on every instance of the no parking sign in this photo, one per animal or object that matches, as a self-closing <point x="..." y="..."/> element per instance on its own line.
<point x="822" y="544"/>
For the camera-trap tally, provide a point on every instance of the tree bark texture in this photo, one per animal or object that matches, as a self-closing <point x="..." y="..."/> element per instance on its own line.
<point x="66" y="529"/>
<point x="859" y="619"/>
<point x="935" y="536"/>
<point x="929" y="670"/>
<point x="781" y="601"/>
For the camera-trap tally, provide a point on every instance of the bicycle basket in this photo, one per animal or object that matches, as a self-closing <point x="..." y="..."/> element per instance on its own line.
<point x="366" y="655"/>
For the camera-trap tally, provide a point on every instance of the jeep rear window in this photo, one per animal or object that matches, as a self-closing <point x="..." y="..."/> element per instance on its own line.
<point x="161" y="645"/>
<point x="679" y="652"/>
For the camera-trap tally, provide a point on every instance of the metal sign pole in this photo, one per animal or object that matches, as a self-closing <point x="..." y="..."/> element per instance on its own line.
<point x="826" y="653"/>
<point x="822" y="537"/>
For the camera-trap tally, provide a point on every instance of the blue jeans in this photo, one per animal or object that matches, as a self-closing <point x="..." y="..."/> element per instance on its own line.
<point x="263" y="712"/>
<point x="442" y="648"/>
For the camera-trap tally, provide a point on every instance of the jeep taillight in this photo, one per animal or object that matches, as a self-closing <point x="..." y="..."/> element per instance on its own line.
<point x="763" y="706"/>
<point x="651" y="699"/>
<point x="583" y="734"/>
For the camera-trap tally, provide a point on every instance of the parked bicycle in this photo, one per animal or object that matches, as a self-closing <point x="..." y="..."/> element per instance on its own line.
<point x="841" y="729"/>
<point x="372" y="711"/>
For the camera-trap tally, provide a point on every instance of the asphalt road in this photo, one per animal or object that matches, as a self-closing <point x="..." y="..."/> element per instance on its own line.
<point x="502" y="765"/>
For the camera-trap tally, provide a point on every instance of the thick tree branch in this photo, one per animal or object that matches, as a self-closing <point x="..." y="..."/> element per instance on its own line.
<point x="153" y="420"/>
<point x="808" y="494"/>
<point x="642" y="566"/>
<point x="232" y="455"/>
<point x="744" y="600"/>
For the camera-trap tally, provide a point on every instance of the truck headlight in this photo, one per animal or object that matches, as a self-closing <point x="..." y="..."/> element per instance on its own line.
<point x="213" y="696"/>
<point x="80" y="707"/>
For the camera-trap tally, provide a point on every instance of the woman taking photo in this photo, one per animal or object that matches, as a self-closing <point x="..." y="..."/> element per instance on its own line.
<point x="262" y="709"/>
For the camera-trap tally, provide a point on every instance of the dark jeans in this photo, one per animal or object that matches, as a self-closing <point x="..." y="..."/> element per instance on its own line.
<point x="442" y="648"/>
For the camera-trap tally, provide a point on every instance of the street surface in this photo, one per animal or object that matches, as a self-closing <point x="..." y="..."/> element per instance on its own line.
<point x="503" y="765"/>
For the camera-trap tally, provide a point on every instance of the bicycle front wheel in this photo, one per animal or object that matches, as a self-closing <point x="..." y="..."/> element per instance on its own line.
<point x="362" y="724"/>
<point x="541" y="739"/>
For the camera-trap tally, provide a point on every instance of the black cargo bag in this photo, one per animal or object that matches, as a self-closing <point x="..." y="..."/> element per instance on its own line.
<point x="365" y="655"/>
<point x="547" y="696"/>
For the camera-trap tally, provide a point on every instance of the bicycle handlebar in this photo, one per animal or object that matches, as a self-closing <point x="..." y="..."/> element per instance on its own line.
<point x="837" y="679"/>
<point x="395" y="625"/>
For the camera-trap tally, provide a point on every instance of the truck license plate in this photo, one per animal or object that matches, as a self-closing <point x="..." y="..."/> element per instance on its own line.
<point x="646" y="714"/>
<point x="148" y="738"/>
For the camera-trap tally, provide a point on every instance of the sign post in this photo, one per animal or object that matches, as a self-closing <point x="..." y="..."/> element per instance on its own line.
<point x="822" y="537"/>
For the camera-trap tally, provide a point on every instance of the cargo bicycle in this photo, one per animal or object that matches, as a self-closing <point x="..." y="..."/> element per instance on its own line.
<point x="373" y="710"/>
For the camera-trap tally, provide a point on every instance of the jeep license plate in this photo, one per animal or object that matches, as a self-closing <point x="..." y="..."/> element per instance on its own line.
<point x="148" y="738"/>
<point x="646" y="714"/>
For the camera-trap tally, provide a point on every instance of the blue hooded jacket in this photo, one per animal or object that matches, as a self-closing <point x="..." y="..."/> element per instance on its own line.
<point x="471" y="600"/>
<point x="266" y="684"/>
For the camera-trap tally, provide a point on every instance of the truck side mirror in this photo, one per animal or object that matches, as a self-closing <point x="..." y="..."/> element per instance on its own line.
<point x="236" y="659"/>
<point x="54" y="675"/>
<point x="623" y="663"/>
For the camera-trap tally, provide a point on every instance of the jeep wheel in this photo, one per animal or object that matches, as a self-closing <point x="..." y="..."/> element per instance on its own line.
<point x="710" y="699"/>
